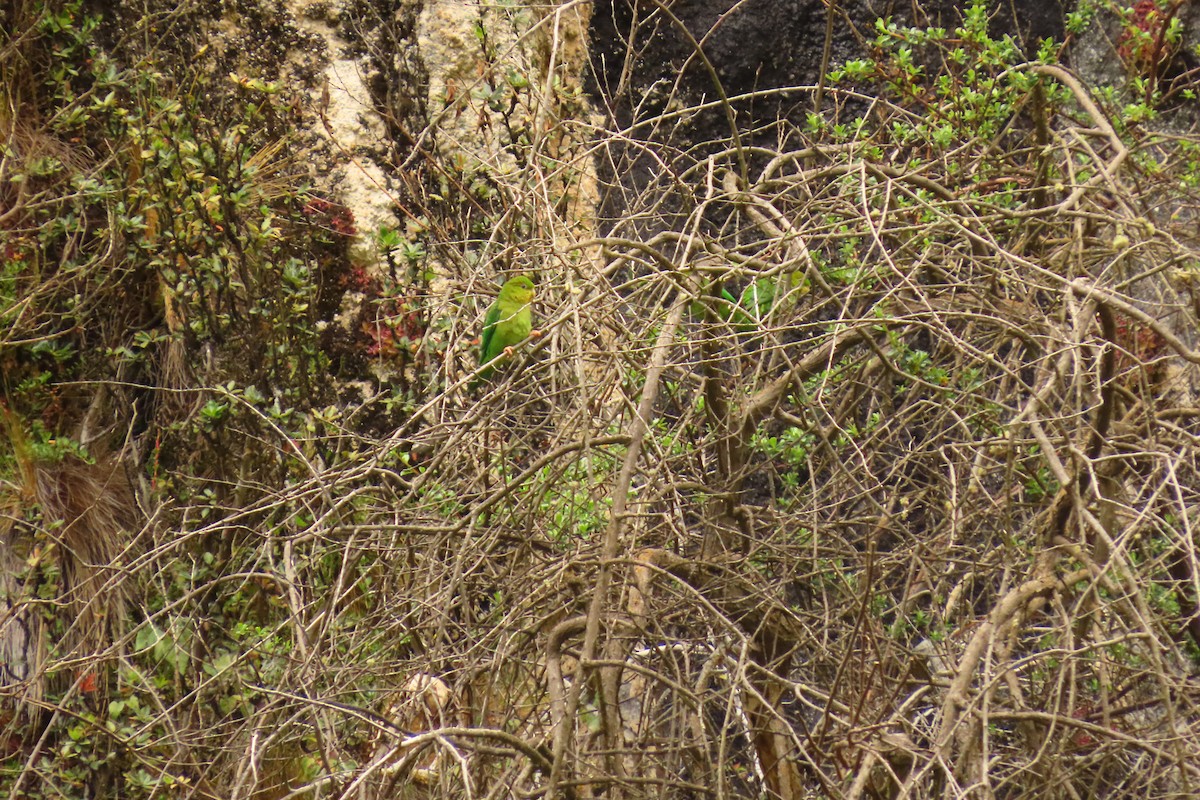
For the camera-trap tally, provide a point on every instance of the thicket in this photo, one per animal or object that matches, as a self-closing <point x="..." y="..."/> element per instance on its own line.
<point x="854" y="460"/>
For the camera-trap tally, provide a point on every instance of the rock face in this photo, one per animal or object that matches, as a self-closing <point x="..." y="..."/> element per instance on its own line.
<point x="352" y="128"/>
<point x="488" y="87"/>
<point x="386" y="91"/>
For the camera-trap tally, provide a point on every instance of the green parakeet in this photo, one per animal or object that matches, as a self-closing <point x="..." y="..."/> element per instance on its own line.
<point x="507" y="323"/>
<point x="751" y="311"/>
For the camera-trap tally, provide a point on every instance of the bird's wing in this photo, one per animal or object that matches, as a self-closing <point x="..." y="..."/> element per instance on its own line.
<point x="760" y="296"/>
<point x="512" y="325"/>
<point x="489" y="331"/>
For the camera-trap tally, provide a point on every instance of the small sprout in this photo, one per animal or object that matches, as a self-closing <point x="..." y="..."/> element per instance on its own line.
<point x="213" y="412"/>
<point x="388" y="239"/>
<point x="254" y="84"/>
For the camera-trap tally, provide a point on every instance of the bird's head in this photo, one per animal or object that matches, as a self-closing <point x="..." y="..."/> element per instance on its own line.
<point x="517" y="290"/>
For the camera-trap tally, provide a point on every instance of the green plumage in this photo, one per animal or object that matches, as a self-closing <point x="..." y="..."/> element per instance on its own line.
<point x="752" y="310"/>
<point x="507" y="323"/>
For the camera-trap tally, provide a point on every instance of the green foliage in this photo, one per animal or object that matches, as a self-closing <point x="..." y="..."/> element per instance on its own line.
<point x="958" y="85"/>
<point x="187" y="214"/>
<point x="571" y="498"/>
